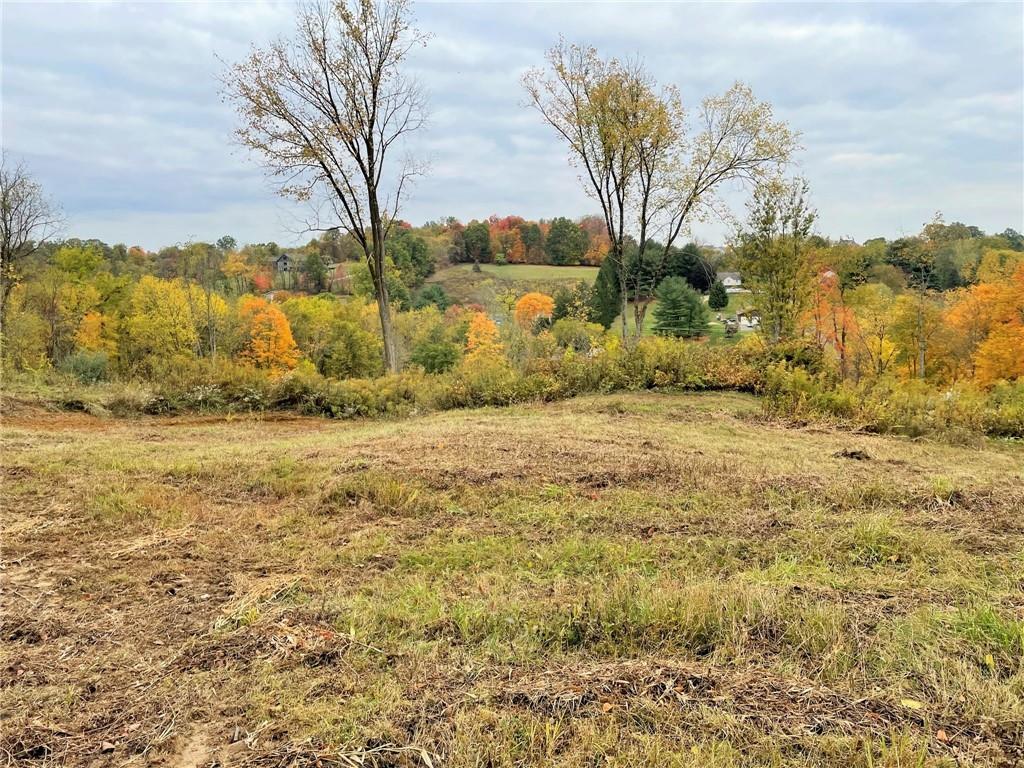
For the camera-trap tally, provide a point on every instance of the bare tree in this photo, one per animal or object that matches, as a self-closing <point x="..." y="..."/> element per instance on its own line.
<point x="27" y="220"/>
<point x="576" y="95"/>
<point x="326" y="111"/>
<point x="630" y="139"/>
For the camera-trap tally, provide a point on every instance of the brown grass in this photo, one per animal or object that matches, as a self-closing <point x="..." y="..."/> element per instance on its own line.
<point x="630" y="580"/>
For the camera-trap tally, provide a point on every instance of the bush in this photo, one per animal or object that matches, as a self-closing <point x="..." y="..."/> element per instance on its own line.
<point x="571" y="333"/>
<point x="436" y="356"/>
<point x="911" y="408"/>
<point x="87" y="367"/>
<point x="352" y="353"/>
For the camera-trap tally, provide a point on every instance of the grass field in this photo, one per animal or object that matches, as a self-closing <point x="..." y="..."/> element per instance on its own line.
<point x="645" y="579"/>
<point x="464" y="285"/>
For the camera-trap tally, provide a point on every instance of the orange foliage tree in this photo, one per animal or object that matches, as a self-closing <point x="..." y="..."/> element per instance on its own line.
<point x="832" y="321"/>
<point x="533" y="306"/>
<point x="97" y="332"/>
<point x="988" y="321"/>
<point x="270" y="344"/>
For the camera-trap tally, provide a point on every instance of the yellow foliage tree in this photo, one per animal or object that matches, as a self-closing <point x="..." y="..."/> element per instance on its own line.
<point x="270" y="344"/>
<point x="97" y="332"/>
<point x="482" y="337"/>
<point x="533" y="306"/>
<point x="159" y="323"/>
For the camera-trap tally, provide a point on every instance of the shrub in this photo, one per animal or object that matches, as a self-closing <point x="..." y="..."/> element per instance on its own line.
<point x="910" y="408"/>
<point x="436" y="356"/>
<point x="572" y="333"/>
<point x="88" y="367"/>
<point x="352" y="353"/>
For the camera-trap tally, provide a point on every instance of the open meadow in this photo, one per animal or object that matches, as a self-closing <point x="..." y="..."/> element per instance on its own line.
<point x="462" y="284"/>
<point x="636" y="579"/>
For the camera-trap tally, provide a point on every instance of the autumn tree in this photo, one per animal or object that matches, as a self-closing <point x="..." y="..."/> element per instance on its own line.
<point x="532" y="307"/>
<point x="27" y="220"/>
<point x="482" y="337"/>
<point x="269" y="341"/>
<point x="872" y="306"/>
<point x="630" y="142"/>
<point x="159" y="323"/>
<point x="831" y="319"/>
<point x="327" y="110"/>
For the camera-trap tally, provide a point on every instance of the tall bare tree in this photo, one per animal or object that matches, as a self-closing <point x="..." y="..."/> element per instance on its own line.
<point x="650" y="176"/>
<point x="28" y="218"/>
<point x="327" y="110"/>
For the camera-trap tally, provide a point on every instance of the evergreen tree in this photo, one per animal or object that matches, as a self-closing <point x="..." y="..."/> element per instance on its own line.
<point x="605" y="299"/>
<point x="566" y="242"/>
<point x="476" y="241"/>
<point x="717" y="297"/>
<point x="680" y="311"/>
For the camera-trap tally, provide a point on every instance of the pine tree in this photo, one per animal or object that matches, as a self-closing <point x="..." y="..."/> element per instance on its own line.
<point x="717" y="297"/>
<point x="680" y="311"/>
<point x="606" y="300"/>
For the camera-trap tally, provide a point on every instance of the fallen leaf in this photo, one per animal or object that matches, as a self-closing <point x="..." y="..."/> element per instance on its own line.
<point x="606" y="706"/>
<point x="911" y="704"/>
<point x="942" y="735"/>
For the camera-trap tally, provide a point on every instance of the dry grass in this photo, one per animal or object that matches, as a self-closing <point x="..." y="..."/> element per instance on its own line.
<point x="626" y="580"/>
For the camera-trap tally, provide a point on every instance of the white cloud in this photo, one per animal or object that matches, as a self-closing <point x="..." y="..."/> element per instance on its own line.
<point x="904" y="109"/>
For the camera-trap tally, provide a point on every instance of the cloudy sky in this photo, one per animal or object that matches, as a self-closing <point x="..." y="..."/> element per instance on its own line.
<point x="904" y="109"/>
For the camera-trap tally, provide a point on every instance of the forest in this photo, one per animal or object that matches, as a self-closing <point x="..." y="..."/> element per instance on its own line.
<point x="937" y="312"/>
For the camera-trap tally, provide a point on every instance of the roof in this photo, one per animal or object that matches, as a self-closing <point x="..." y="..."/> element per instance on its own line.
<point x="723" y="276"/>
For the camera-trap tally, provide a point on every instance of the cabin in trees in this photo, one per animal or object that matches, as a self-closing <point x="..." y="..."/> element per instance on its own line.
<point x="731" y="280"/>
<point x="284" y="263"/>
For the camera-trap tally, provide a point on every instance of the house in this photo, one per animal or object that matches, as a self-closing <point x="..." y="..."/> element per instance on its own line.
<point x="283" y="263"/>
<point x="748" y="319"/>
<point x="731" y="280"/>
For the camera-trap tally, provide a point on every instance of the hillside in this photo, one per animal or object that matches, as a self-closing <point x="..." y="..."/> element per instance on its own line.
<point x="646" y="579"/>
<point x="463" y="285"/>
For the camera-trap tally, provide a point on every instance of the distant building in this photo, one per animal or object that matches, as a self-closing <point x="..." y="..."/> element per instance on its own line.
<point x="283" y="263"/>
<point x="731" y="280"/>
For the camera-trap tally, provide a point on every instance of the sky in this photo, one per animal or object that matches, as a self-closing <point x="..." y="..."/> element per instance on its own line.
<point x="904" y="109"/>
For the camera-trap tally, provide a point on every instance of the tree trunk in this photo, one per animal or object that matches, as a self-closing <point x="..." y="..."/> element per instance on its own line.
<point x="921" y="344"/>
<point x="380" y="287"/>
<point x="390" y="351"/>
<point x="639" y="315"/>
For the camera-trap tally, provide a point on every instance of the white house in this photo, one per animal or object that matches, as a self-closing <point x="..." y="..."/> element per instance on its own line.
<point x="731" y="280"/>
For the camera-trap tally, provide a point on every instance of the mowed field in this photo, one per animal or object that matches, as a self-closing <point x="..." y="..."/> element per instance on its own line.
<point x="643" y="579"/>
<point x="464" y="285"/>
